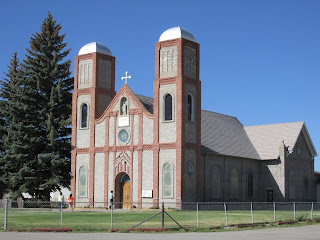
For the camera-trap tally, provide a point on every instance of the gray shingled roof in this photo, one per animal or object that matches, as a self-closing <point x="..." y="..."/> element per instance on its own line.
<point x="225" y="135"/>
<point x="220" y="134"/>
<point x="147" y="102"/>
<point x="267" y="138"/>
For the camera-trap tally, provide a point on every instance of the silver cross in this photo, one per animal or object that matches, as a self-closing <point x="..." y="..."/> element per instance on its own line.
<point x="126" y="77"/>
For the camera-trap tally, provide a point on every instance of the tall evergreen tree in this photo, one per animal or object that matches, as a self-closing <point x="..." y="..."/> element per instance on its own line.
<point x="37" y="119"/>
<point x="3" y="185"/>
<point x="2" y="127"/>
<point x="14" y="150"/>
<point x="48" y="96"/>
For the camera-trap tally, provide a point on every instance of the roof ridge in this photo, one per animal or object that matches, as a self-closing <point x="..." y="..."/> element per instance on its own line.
<point x="270" y="124"/>
<point x="203" y="110"/>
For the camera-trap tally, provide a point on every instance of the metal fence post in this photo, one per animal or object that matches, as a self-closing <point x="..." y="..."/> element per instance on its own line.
<point x="294" y="211"/>
<point x="312" y="211"/>
<point x="61" y="207"/>
<point x="197" y="215"/>
<point x="162" y="217"/>
<point x="251" y="213"/>
<point x="274" y="211"/>
<point x="5" y="214"/>
<point x="225" y="213"/>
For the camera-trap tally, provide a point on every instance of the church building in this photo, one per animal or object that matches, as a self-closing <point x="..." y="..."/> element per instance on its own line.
<point x="166" y="148"/>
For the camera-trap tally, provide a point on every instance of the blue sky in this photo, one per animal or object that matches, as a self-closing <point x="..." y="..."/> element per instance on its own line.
<point x="259" y="59"/>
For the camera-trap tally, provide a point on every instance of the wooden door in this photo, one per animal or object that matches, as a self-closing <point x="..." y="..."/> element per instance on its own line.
<point x="126" y="198"/>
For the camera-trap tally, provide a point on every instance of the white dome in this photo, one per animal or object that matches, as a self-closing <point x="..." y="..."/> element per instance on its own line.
<point x="177" y="32"/>
<point x="95" y="47"/>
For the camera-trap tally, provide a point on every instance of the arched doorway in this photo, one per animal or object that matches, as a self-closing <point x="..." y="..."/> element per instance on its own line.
<point x="123" y="190"/>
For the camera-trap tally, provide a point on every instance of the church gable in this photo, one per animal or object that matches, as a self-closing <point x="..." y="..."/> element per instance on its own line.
<point x="126" y="101"/>
<point x="303" y="147"/>
<point x="123" y="102"/>
<point x="267" y="138"/>
<point x="300" y="150"/>
<point x="129" y="118"/>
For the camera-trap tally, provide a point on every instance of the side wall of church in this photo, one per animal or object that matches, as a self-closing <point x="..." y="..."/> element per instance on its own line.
<point x="100" y="134"/>
<point x="110" y="172"/>
<point x="273" y="178"/>
<point x="82" y="160"/>
<point x="253" y="166"/>
<point x="83" y="135"/>
<point x="276" y="174"/>
<point x="147" y="131"/>
<point x="147" y="175"/>
<point x="303" y="167"/>
<point x="167" y="129"/>
<point x="135" y="129"/>
<point x="111" y="131"/>
<point x="99" y="165"/>
<point x="135" y="175"/>
<point x="225" y="165"/>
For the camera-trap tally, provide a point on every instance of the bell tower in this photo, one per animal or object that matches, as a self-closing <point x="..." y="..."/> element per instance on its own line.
<point x="94" y="88"/>
<point x="177" y="114"/>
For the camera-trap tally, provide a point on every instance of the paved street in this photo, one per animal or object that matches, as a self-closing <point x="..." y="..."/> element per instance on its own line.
<point x="287" y="233"/>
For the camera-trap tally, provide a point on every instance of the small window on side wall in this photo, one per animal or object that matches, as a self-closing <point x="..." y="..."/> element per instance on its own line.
<point x="190" y="106"/>
<point x="84" y="116"/>
<point x="168" y="107"/>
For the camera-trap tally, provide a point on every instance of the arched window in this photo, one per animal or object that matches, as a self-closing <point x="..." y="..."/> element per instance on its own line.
<point x="215" y="183"/>
<point x="167" y="180"/>
<point x="234" y="184"/>
<point x="306" y="185"/>
<point x="292" y="187"/>
<point x="168" y="107"/>
<point x="250" y="184"/>
<point x="190" y="106"/>
<point x="83" y="181"/>
<point x="84" y="116"/>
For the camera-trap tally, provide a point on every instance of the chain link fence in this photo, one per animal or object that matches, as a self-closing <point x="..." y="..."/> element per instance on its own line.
<point x="26" y="215"/>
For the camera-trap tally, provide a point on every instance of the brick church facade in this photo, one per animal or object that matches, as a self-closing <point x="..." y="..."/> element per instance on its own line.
<point x="165" y="148"/>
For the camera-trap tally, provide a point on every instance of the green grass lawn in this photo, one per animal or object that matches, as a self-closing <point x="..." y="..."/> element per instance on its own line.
<point x="100" y="220"/>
